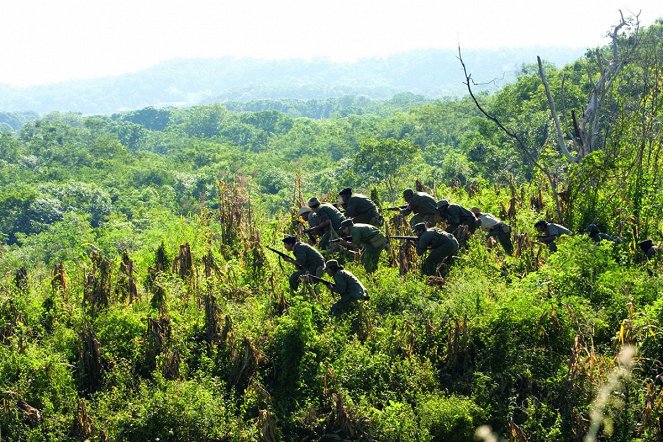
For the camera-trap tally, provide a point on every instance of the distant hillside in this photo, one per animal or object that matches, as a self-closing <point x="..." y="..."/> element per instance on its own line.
<point x="430" y="73"/>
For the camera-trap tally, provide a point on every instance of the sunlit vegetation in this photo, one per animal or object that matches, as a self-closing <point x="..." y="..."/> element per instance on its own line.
<point x="138" y="301"/>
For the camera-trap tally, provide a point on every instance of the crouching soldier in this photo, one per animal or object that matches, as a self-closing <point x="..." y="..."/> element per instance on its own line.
<point x="327" y="221"/>
<point x="495" y="228"/>
<point x="442" y="246"/>
<point x="424" y="207"/>
<point x="307" y="259"/>
<point x="360" y="208"/>
<point x="550" y="232"/>
<point x="597" y="236"/>
<point x="456" y="216"/>
<point x="365" y="238"/>
<point x="347" y="285"/>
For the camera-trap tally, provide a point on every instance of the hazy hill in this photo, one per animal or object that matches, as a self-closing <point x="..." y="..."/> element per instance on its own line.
<point x="431" y="73"/>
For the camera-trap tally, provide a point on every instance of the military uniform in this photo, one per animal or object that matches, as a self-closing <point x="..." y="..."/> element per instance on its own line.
<point x="597" y="236"/>
<point x="441" y="244"/>
<point x="425" y="208"/>
<point x="309" y="260"/>
<point x="371" y="241"/>
<point x="362" y="210"/>
<point x="457" y="215"/>
<point x="325" y="212"/>
<point x="496" y="229"/>
<point x="351" y="290"/>
<point x="555" y="230"/>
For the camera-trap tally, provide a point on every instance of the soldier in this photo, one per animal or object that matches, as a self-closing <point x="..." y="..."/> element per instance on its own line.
<point x="597" y="236"/>
<point x="495" y="229"/>
<point x="307" y="259"/>
<point x="360" y="208"/>
<point x="442" y="246"/>
<point x="347" y="285"/>
<point x="551" y="232"/>
<point x="328" y="218"/>
<point x="456" y="215"/>
<point x="423" y="205"/>
<point x="366" y="238"/>
<point x="311" y="219"/>
<point x="649" y="249"/>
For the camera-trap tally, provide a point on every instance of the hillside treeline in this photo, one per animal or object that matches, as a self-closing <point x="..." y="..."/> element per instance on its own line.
<point x="138" y="301"/>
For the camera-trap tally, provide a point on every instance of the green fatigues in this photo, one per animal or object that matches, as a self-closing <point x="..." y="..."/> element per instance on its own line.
<point x="351" y="290"/>
<point x="497" y="229"/>
<point x="652" y="252"/>
<point x="441" y="244"/>
<point x="553" y="229"/>
<point x="371" y="241"/>
<point x="310" y="260"/>
<point x="598" y="237"/>
<point x="328" y="212"/>
<point x="362" y="210"/>
<point x="456" y="216"/>
<point x="425" y="208"/>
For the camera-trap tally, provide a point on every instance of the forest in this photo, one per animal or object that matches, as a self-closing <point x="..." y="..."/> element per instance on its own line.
<point x="138" y="300"/>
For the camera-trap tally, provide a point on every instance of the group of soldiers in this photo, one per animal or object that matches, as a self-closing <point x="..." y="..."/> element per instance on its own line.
<point x="356" y="231"/>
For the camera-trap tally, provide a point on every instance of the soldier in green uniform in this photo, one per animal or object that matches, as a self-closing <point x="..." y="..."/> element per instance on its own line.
<point x="307" y="258"/>
<point x="597" y="236"/>
<point x="424" y="207"/>
<point x="329" y="219"/>
<point x="551" y="232"/>
<point x="456" y="215"/>
<point x="442" y="246"/>
<point x="347" y="285"/>
<point x="649" y="249"/>
<point x="366" y="238"/>
<point x="495" y="228"/>
<point x="360" y="208"/>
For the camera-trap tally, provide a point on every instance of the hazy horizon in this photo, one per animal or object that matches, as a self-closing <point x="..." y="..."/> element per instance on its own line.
<point x="52" y="42"/>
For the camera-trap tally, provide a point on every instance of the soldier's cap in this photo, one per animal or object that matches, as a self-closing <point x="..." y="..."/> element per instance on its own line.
<point x="313" y="202"/>
<point x="442" y="203"/>
<point x="646" y="244"/>
<point x="407" y="193"/>
<point x="304" y="210"/>
<point x="475" y="210"/>
<point x="332" y="264"/>
<point x="347" y="223"/>
<point x="420" y="227"/>
<point x="290" y="239"/>
<point x="541" y="223"/>
<point x="347" y="191"/>
<point x="592" y="229"/>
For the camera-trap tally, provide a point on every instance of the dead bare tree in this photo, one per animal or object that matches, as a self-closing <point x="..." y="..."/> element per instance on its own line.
<point x="587" y="129"/>
<point x="527" y="151"/>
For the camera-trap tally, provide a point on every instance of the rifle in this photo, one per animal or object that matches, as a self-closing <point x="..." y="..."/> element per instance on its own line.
<point x="318" y="279"/>
<point x="342" y="238"/>
<point x="284" y="256"/>
<point x="396" y="207"/>
<point x="407" y="238"/>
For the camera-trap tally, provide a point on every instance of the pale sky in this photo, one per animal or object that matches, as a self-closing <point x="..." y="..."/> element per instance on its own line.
<point x="47" y="41"/>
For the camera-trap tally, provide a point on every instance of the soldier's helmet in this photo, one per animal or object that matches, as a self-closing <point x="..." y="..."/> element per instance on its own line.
<point x="304" y="210"/>
<point x="646" y="244"/>
<point x="332" y="264"/>
<point x="592" y="230"/>
<point x="420" y="227"/>
<point x="407" y="194"/>
<point x="313" y="202"/>
<point x="442" y="203"/>
<point x="347" y="223"/>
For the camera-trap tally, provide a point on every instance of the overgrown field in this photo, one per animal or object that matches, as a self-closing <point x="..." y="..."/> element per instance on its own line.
<point x="138" y="301"/>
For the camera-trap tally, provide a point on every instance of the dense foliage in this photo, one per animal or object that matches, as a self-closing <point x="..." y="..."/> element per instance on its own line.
<point x="138" y="302"/>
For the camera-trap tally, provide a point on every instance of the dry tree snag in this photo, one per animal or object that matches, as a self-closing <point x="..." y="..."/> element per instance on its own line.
<point x="527" y="151"/>
<point x="586" y="130"/>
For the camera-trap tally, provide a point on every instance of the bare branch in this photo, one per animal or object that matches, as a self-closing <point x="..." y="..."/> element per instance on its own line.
<point x="561" y="145"/>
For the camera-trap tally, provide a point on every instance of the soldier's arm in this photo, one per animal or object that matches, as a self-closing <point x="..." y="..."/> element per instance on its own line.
<point x="422" y="246"/>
